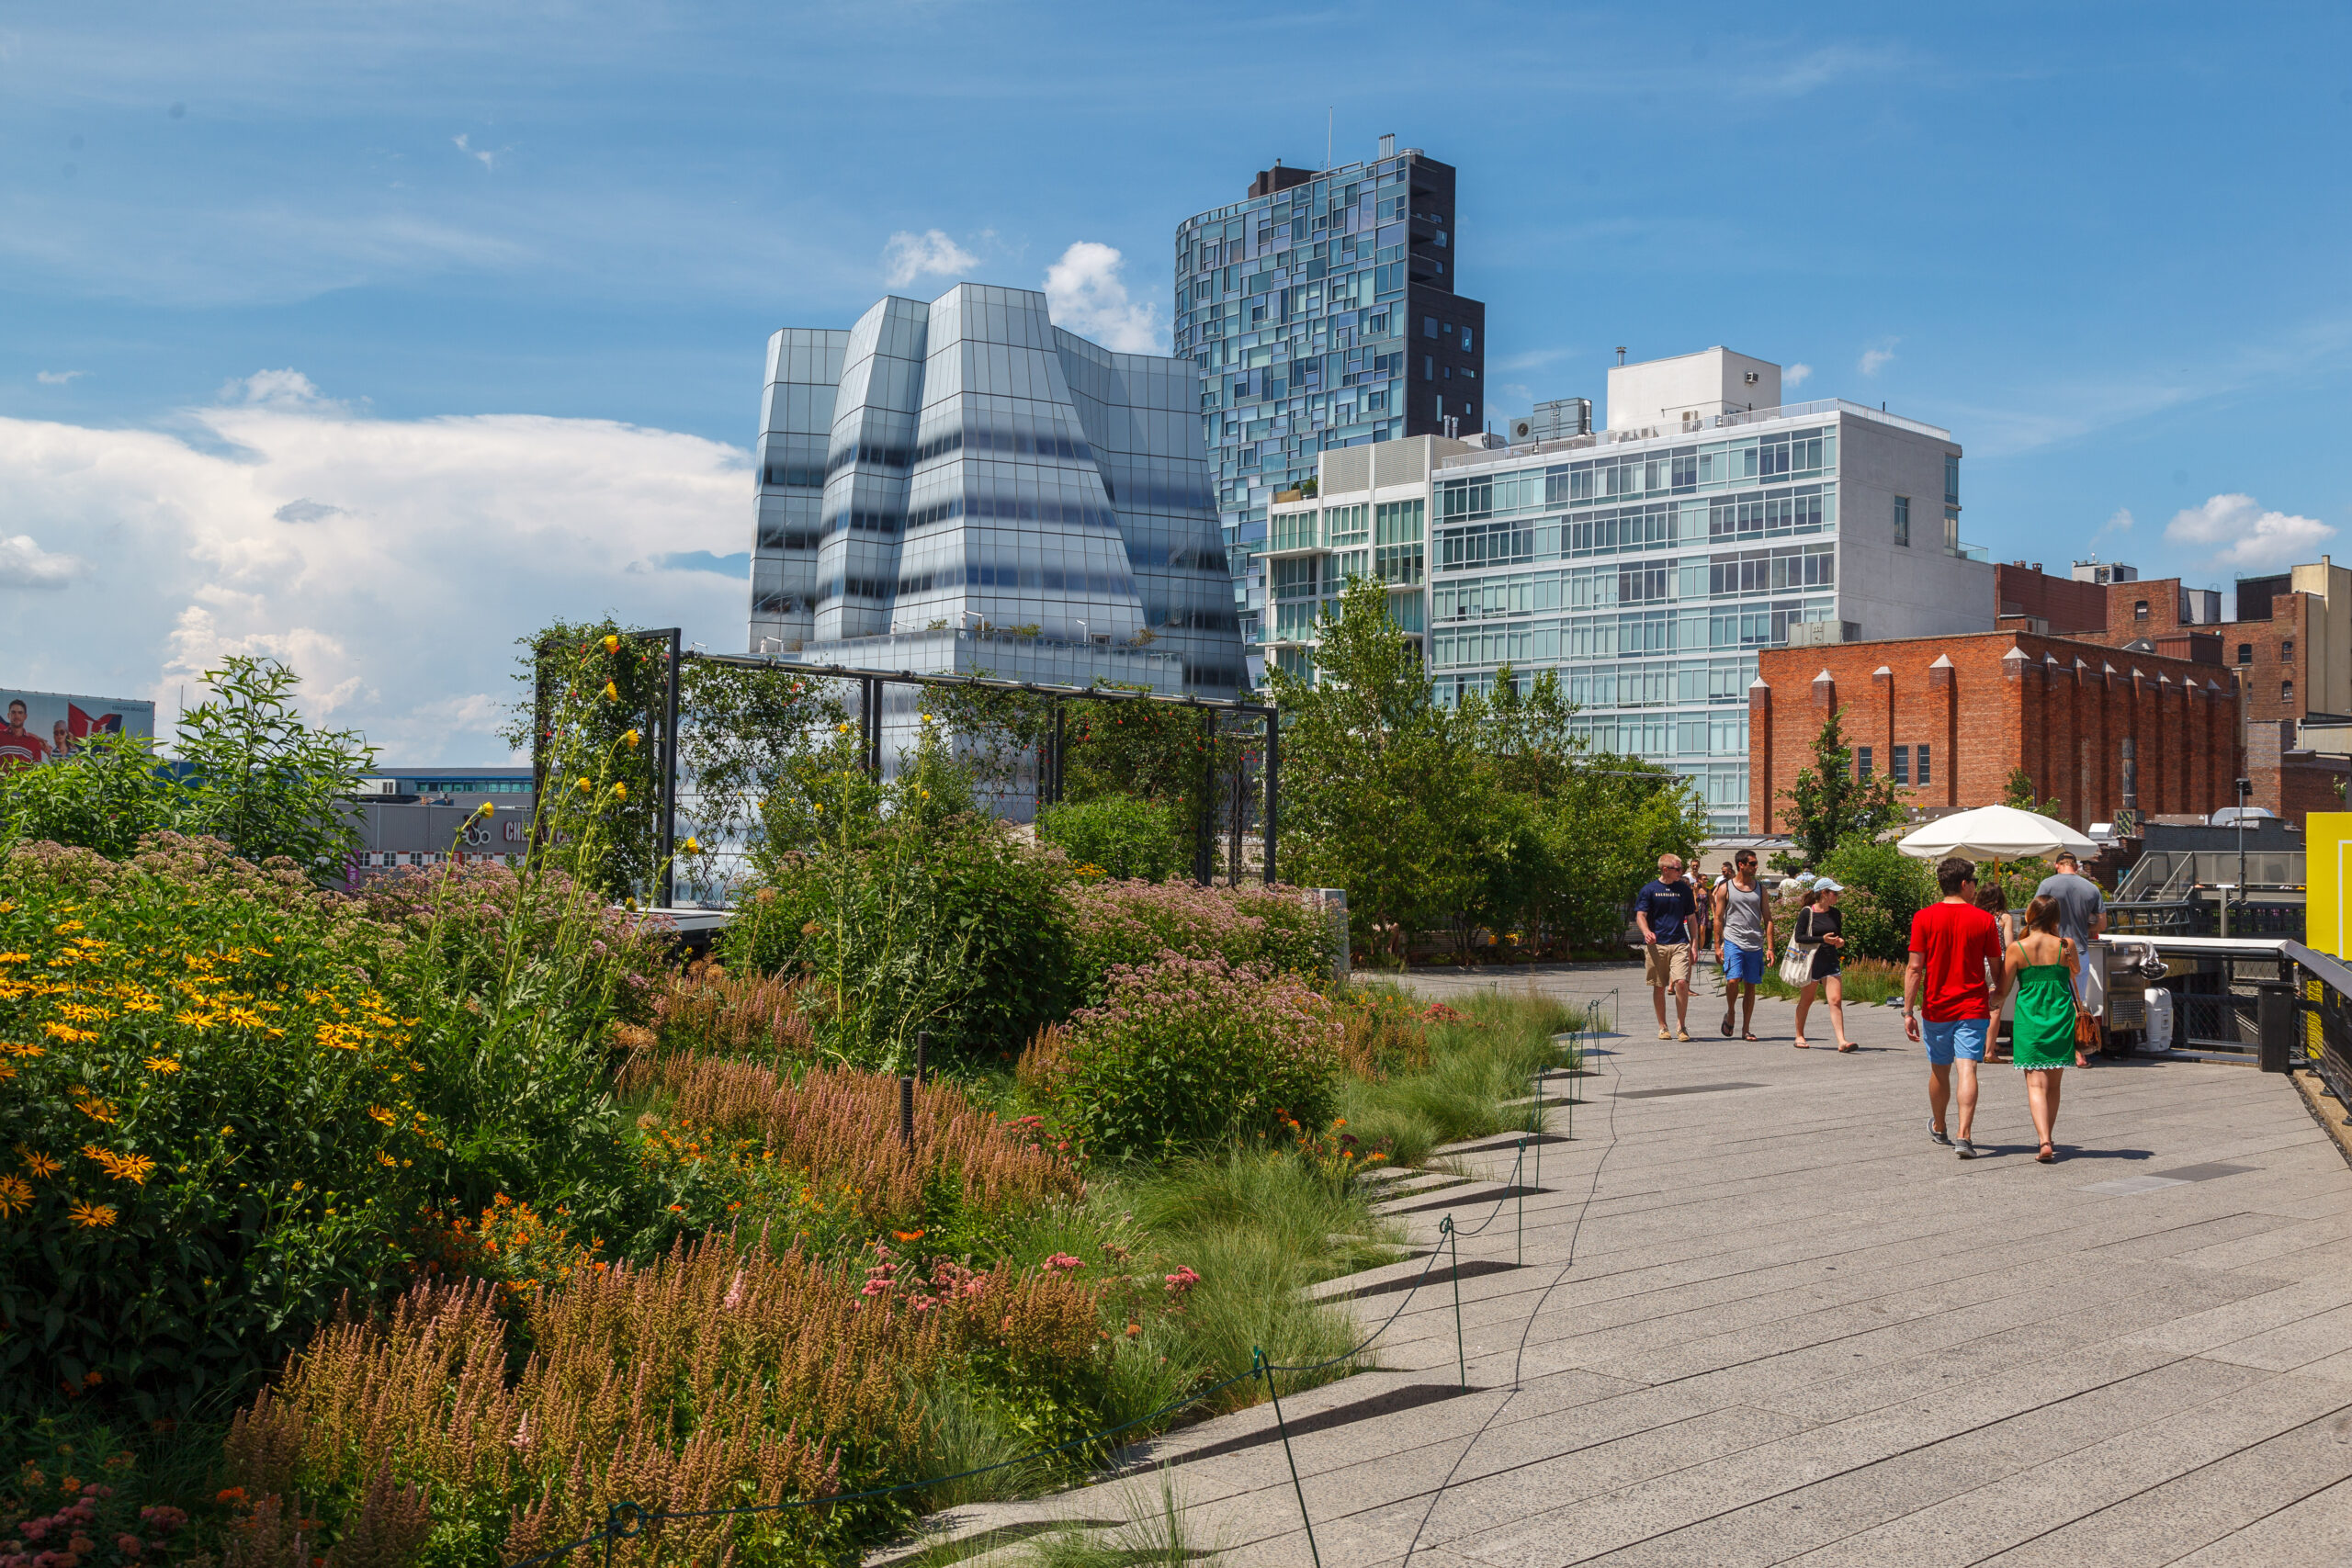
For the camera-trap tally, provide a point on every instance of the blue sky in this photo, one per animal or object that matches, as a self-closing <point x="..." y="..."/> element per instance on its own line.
<point x="479" y="291"/>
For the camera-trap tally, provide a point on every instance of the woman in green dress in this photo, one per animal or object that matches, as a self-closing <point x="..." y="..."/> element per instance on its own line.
<point x="2040" y="967"/>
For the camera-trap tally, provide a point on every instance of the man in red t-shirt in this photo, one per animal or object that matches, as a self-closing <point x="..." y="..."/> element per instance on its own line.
<point x="1951" y="941"/>
<point x="19" y="747"/>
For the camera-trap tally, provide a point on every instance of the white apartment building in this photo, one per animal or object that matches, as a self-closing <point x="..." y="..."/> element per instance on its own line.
<point x="1647" y="563"/>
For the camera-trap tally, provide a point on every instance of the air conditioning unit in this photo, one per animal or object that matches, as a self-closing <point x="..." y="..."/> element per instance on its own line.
<point x="1522" y="430"/>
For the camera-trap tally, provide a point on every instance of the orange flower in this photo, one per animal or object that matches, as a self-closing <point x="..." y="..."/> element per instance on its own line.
<point x="39" y="1164"/>
<point x="907" y="1236"/>
<point x="94" y="1217"/>
<point x="162" y="1064"/>
<point x="16" y="1194"/>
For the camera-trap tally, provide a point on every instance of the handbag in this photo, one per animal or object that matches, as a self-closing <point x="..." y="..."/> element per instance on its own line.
<point x="1796" y="964"/>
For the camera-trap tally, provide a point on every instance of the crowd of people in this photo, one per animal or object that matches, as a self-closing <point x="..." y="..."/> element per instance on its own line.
<point x="1972" y="966"/>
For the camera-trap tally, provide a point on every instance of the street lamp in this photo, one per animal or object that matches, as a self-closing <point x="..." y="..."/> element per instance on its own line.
<point x="2246" y="792"/>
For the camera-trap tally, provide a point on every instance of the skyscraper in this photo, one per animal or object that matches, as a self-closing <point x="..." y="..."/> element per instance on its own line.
<point x="964" y="485"/>
<point x="1321" y="312"/>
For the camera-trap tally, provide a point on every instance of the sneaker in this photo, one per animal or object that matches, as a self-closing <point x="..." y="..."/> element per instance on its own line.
<point x="1662" y="1035"/>
<point x="1939" y="1135"/>
<point x="1682" y="1034"/>
<point x="1965" y="1149"/>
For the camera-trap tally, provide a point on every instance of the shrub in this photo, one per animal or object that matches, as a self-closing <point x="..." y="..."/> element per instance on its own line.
<point x="1898" y="888"/>
<point x="904" y="912"/>
<point x="1133" y="923"/>
<point x="1189" y="1051"/>
<point x="1129" y="839"/>
<point x="213" y="1128"/>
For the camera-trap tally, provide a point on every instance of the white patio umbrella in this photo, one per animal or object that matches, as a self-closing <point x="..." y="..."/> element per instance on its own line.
<point x="1995" y="834"/>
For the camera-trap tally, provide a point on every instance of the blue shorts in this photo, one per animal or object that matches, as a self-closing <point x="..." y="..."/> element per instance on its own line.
<point x="1963" y="1038"/>
<point x="1743" y="963"/>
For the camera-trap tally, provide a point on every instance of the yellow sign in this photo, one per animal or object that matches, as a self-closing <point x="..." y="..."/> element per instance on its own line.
<point x="2327" y="880"/>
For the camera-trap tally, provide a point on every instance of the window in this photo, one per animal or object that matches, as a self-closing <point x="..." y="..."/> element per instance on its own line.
<point x="1951" y="480"/>
<point x="2139" y="609"/>
<point x="1428" y="326"/>
<point x="1465" y="340"/>
<point x="1902" y="520"/>
<point x="1861" y="762"/>
<point x="2246" y="653"/>
<point x="1429" y="367"/>
<point x="2287" y="693"/>
<point x="1901" y="772"/>
<point x="1924" y="780"/>
<point x="2287" y="651"/>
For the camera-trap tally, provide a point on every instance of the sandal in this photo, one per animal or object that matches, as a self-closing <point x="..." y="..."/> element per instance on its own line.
<point x="2048" y="1155"/>
<point x="1848" y="1048"/>
<point x="1726" y="1026"/>
<point x="1800" y="1045"/>
<point x="1748" y="1035"/>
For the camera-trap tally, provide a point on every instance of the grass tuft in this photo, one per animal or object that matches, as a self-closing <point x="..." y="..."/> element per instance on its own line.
<point x="1479" y="1064"/>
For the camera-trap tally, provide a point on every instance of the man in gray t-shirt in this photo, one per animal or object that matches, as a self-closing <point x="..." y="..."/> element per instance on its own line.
<point x="2082" y="916"/>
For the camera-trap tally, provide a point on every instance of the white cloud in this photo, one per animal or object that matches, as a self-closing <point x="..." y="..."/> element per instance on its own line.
<point x="24" y="564"/>
<point x="2241" y="534"/>
<point x="488" y="159"/>
<point x="1876" y="358"/>
<point x="2119" y="522"/>
<point x="57" y="377"/>
<point x="908" y="255"/>
<point x="398" y="602"/>
<point x="1085" y="294"/>
<point x="1795" y="376"/>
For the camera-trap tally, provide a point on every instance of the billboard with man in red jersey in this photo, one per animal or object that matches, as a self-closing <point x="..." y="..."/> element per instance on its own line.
<point x="51" y="727"/>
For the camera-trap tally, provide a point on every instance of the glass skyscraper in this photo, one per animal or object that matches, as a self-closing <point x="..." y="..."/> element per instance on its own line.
<point x="964" y="486"/>
<point x="1321" y="312"/>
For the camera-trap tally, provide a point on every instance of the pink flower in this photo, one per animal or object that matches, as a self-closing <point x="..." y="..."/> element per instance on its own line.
<point x="875" y="1287"/>
<point x="1063" y="1261"/>
<point x="1182" y="1280"/>
<point x="129" y="1545"/>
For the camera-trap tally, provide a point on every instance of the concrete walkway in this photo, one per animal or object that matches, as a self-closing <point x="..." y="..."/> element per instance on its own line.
<point x="1762" y="1319"/>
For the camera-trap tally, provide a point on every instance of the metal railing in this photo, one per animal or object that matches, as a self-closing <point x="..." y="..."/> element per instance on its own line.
<point x="2322" y="1036"/>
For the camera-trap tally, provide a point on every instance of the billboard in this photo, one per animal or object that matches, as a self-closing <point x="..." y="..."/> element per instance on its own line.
<point x="42" y="727"/>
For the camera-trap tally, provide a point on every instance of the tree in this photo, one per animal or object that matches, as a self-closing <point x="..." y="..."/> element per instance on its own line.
<point x="2017" y="792"/>
<point x="1830" y="802"/>
<point x="1376" y="775"/>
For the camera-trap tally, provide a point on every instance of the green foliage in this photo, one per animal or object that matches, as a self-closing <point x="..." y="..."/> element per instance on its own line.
<point x="108" y="795"/>
<point x="1375" y="777"/>
<point x="262" y="778"/>
<point x="2016" y="790"/>
<point x="906" y="911"/>
<point x="596" y="690"/>
<point x="1884" y="887"/>
<point x="1125" y="837"/>
<point x="212" y="1130"/>
<point x="252" y="772"/>
<point x="1481" y="1060"/>
<point x="1188" y="1053"/>
<point x="1133" y="923"/>
<point x="1489" y="820"/>
<point x="1828" y="804"/>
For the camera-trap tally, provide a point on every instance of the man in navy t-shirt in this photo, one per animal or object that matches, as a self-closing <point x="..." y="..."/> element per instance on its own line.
<point x="1668" y="913"/>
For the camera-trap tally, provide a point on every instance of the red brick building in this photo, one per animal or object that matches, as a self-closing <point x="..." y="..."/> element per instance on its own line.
<point x="1948" y="717"/>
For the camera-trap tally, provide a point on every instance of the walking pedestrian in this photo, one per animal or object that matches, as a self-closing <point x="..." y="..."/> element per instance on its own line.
<point x="2041" y="965"/>
<point x="1946" y="980"/>
<point x="1821" y="927"/>
<point x="1667" y="911"/>
<point x="1996" y="903"/>
<point x="1743" y="920"/>
<point x="2082" y="919"/>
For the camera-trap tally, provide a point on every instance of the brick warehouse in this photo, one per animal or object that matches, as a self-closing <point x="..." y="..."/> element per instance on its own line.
<point x="1948" y="717"/>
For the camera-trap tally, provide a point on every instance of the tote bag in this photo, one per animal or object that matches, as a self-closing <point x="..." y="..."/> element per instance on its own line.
<point x="1796" y="964"/>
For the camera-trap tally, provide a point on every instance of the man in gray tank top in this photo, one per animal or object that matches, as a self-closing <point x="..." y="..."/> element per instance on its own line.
<point x="1743" y="940"/>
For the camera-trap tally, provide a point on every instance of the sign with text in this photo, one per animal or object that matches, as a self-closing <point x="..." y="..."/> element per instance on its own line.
<point x="47" y="727"/>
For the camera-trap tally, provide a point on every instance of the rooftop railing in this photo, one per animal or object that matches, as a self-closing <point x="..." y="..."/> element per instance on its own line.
<point x="1693" y="427"/>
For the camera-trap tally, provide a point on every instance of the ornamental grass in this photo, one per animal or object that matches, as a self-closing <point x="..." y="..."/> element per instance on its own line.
<point x="724" y="1375"/>
<point x="837" y="1130"/>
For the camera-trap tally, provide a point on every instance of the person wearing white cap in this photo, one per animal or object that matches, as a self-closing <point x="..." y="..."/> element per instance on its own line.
<point x="1819" y="928"/>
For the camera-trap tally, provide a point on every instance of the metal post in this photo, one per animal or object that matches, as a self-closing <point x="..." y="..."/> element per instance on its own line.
<point x="1462" y="1356"/>
<point x="1205" y="828"/>
<point x="542" y="716"/>
<point x="1233" y="827"/>
<point x="906" y="1113"/>
<point x="1274" y="781"/>
<point x="665" y="844"/>
<point x="1266" y="1370"/>
<point x="1061" y="747"/>
<point x="871" y="722"/>
<point x="922" y="1055"/>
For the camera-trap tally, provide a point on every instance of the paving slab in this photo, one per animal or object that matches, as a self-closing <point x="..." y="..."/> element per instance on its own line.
<point x="1751" y="1314"/>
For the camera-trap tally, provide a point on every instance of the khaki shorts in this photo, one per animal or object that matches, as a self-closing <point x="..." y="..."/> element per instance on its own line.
<point x="1666" y="963"/>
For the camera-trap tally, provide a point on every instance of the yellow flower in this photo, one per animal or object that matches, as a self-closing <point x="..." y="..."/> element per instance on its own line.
<point x="584" y="787"/>
<point x="620" y="790"/>
<point x="630" y="737"/>
<point x="162" y="1064"/>
<point x="821" y="806"/>
<point x="93" y="1216"/>
<point x="96" y="1109"/>
<point x="244" y="1018"/>
<point x="39" y="1165"/>
<point x="692" y="846"/>
<point x="840" y="730"/>
<point x="388" y="1118"/>
<point x="481" y="811"/>
<point x="16" y="958"/>
<point x="16" y="1194"/>
<point x="67" y="1033"/>
<point x="612" y="643"/>
<point x="612" y="693"/>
